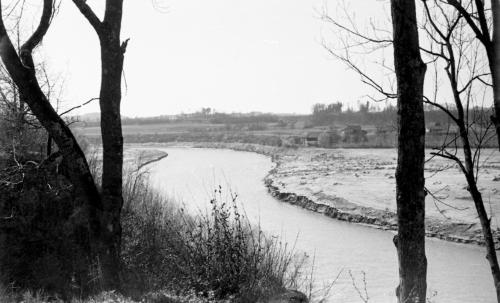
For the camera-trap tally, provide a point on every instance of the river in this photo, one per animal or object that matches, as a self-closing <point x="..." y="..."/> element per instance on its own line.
<point x="456" y="272"/>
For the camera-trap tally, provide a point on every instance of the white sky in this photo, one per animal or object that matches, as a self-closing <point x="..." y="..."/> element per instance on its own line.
<point x="231" y="55"/>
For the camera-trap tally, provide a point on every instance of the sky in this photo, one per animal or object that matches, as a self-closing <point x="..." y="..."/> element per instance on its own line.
<point x="230" y="55"/>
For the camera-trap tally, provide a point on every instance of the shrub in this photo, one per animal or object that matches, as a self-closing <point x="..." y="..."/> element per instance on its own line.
<point x="38" y="247"/>
<point x="215" y="254"/>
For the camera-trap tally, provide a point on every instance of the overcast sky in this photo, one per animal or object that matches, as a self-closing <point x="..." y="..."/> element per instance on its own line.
<point x="231" y="55"/>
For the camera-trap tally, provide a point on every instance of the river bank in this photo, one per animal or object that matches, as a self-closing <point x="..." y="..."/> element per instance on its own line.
<point x="358" y="186"/>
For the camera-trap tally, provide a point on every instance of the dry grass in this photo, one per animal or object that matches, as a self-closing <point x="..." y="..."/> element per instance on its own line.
<point x="217" y="254"/>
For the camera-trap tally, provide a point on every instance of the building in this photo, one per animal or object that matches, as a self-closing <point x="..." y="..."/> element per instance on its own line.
<point x="354" y="134"/>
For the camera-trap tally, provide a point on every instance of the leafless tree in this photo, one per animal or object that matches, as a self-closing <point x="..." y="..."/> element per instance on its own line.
<point x="409" y="70"/>
<point x="482" y="18"/>
<point x="453" y="46"/>
<point x="112" y="56"/>
<point x="21" y="68"/>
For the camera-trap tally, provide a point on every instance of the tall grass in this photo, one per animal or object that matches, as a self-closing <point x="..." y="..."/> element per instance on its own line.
<point x="215" y="254"/>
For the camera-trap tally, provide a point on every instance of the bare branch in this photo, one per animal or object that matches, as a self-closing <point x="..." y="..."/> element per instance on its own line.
<point x="468" y="17"/>
<point x="78" y="106"/>
<point x="471" y="80"/>
<point x="441" y="107"/>
<point x="89" y="14"/>
<point x="447" y="155"/>
<point x="42" y="28"/>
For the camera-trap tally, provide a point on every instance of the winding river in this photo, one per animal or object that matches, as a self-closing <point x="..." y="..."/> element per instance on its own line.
<point x="456" y="272"/>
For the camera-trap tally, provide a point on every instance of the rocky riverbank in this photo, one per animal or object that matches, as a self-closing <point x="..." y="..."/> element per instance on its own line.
<point x="386" y="220"/>
<point x="358" y="186"/>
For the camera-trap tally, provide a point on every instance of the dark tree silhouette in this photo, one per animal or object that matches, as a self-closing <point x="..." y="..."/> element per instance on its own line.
<point x="21" y="68"/>
<point x="410" y="182"/>
<point x="112" y="55"/>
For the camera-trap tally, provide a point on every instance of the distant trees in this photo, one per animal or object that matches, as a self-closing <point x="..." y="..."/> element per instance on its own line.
<point x="324" y="113"/>
<point x="329" y="114"/>
<point x="206" y="111"/>
<point x="364" y="108"/>
<point x="320" y="108"/>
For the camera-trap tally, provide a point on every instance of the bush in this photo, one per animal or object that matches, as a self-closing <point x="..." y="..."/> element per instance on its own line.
<point x="38" y="247"/>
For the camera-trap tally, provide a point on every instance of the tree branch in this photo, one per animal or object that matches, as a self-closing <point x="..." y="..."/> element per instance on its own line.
<point x="78" y="106"/>
<point x="468" y="17"/>
<point x="42" y="28"/>
<point x="89" y="14"/>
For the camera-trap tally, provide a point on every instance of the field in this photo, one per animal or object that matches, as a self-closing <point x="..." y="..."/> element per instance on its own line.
<point x="377" y="130"/>
<point x="274" y="134"/>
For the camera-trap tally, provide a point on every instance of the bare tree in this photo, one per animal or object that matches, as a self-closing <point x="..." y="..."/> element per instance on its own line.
<point x="410" y="183"/>
<point x="453" y="45"/>
<point x="112" y="55"/>
<point x="484" y="21"/>
<point x="21" y="68"/>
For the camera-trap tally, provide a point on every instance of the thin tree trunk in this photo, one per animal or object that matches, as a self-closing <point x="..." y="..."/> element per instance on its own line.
<point x="495" y="65"/>
<point x="410" y="194"/>
<point x="491" y="255"/>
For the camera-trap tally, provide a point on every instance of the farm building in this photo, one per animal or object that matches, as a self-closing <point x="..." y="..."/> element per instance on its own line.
<point x="354" y="134"/>
<point x="312" y="138"/>
<point x="328" y="138"/>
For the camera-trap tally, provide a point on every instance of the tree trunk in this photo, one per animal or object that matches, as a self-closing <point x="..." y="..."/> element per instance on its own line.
<point x="112" y="143"/>
<point x="491" y="255"/>
<point x="410" y="194"/>
<point x="112" y="54"/>
<point x="495" y="65"/>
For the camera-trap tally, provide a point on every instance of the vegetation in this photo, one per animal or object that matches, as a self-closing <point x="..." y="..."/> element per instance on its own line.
<point x="217" y="255"/>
